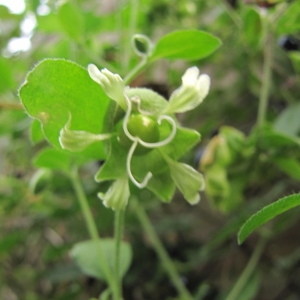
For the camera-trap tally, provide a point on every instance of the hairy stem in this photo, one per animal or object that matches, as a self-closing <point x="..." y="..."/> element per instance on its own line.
<point x="160" y="250"/>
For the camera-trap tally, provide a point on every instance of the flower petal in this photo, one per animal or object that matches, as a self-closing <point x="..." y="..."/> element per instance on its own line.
<point x="111" y="83"/>
<point x="190" y="76"/>
<point x="191" y="93"/>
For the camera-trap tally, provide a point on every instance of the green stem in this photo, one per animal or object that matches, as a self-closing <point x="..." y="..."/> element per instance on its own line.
<point x="267" y="74"/>
<point x="92" y="229"/>
<point x="134" y="9"/>
<point x="98" y="60"/>
<point x="119" y="222"/>
<point x="160" y="250"/>
<point x="122" y="35"/>
<point x="138" y="68"/>
<point x="248" y="271"/>
<point x="125" y="31"/>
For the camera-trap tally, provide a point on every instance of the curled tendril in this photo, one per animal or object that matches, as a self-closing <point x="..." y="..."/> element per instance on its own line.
<point x="137" y="140"/>
<point x="159" y="121"/>
<point x="128" y="166"/>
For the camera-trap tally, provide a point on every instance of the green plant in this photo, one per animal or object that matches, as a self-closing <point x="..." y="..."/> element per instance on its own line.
<point x="248" y="154"/>
<point x="120" y="125"/>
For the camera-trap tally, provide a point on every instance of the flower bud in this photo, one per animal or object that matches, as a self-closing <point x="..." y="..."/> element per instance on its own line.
<point x="117" y="195"/>
<point x="188" y="180"/>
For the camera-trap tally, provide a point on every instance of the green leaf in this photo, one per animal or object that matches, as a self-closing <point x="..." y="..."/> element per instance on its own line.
<point x="289" y="21"/>
<point x="252" y="27"/>
<point x="115" y="164"/>
<point x="10" y="241"/>
<point x="86" y="256"/>
<point x="4" y="12"/>
<point x="153" y="161"/>
<point x="56" y="88"/>
<point x="288" y="121"/>
<point x="288" y="165"/>
<point x="295" y="58"/>
<point x="71" y="20"/>
<point x="186" y="44"/>
<point x="6" y="78"/>
<point x="32" y="5"/>
<point x="183" y="141"/>
<point x="48" y="23"/>
<point x="269" y="138"/>
<point x="36" y="133"/>
<point x="162" y="186"/>
<point x="53" y="159"/>
<point x="267" y="213"/>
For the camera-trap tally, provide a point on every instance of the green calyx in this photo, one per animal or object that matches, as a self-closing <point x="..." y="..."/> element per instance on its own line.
<point x="142" y="127"/>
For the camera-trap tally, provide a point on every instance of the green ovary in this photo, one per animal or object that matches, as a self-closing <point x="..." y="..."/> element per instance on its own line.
<point x="141" y="126"/>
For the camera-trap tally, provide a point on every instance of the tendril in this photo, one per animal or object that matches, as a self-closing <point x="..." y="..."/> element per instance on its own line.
<point x="128" y="167"/>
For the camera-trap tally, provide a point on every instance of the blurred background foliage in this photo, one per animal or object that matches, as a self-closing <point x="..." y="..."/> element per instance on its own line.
<point x="40" y="219"/>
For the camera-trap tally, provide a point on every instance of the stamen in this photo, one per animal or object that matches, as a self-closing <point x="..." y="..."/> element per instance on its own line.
<point x="128" y="167"/>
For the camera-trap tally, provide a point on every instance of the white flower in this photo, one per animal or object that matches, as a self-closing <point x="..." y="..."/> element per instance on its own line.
<point x="193" y="90"/>
<point x="142" y="129"/>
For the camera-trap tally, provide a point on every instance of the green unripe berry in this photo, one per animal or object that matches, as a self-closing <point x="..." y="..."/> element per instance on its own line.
<point x="139" y="126"/>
